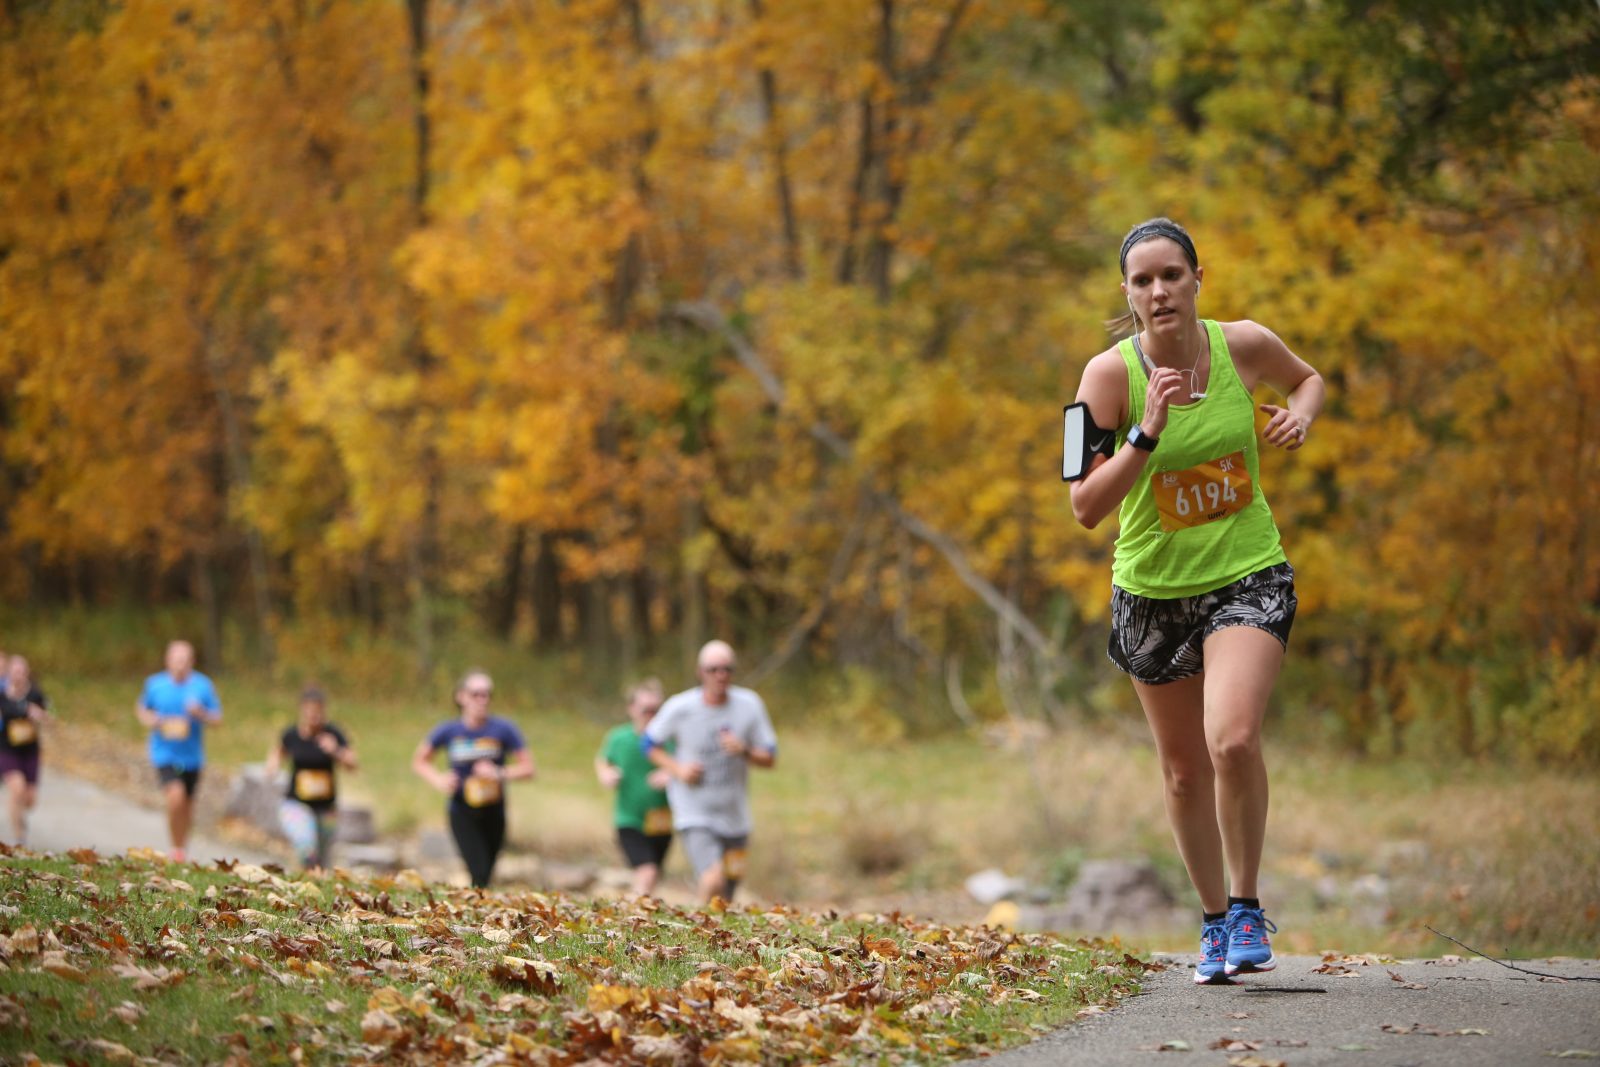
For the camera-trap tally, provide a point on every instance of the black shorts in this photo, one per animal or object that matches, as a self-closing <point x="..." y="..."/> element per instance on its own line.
<point x="1160" y="641"/>
<point x="190" y="779"/>
<point x="641" y="848"/>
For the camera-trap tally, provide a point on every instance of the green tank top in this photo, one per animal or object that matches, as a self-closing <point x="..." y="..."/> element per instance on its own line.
<point x="1171" y="560"/>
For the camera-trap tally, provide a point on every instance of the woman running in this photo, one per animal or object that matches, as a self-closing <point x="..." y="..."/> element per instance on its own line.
<point x="1203" y="596"/>
<point x="484" y="752"/>
<point x="23" y="711"/>
<point x="316" y="750"/>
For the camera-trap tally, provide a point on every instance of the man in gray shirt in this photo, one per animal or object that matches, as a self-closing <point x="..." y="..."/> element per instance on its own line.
<point x="720" y="730"/>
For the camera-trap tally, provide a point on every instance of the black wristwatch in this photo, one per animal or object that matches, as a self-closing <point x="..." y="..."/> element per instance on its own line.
<point x="1141" y="440"/>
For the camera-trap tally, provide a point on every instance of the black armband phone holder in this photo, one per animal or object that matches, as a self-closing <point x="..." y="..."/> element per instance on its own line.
<point x="1081" y="441"/>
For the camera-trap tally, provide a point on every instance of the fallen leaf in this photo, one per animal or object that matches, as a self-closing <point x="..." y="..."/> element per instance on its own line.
<point x="56" y="963"/>
<point x="1235" y="1044"/>
<point x="1575" y="1054"/>
<point x="128" y="1012"/>
<point x="537" y="975"/>
<point x="1336" y="970"/>
<point x="1471" y="1031"/>
<point x="25" y="942"/>
<point x="380" y="1028"/>
<point x="1253" y="1060"/>
<point x="1355" y="1048"/>
<point x="1405" y="984"/>
<point x="112" y="1051"/>
<point x="738" y="1049"/>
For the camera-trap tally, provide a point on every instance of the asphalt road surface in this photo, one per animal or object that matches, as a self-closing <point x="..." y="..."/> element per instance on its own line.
<point x="74" y="813"/>
<point x="1468" y="1012"/>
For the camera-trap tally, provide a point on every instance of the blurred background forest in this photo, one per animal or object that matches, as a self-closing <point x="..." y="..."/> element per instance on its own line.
<point x="598" y="328"/>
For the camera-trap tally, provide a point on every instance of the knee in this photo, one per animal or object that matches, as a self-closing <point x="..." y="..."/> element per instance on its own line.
<point x="1187" y="781"/>
<point x="1236" y="750"/>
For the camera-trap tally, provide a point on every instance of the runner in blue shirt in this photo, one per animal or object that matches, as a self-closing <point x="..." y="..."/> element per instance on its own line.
<point x="176" y="706"/>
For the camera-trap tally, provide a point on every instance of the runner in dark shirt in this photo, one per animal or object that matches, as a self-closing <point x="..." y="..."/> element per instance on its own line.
<point x="23" y="711"/>
<point x="315" y="750"/>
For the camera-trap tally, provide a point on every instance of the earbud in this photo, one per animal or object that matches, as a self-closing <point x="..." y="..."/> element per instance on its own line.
<point x="1197" y="285"/>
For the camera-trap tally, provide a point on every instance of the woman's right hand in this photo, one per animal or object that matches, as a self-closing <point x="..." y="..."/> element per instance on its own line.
<point x="446" y="782"/>
<point x="1164" y="386"/>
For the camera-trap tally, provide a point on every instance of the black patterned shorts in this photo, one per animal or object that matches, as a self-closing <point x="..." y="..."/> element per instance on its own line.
<point x="1160" y="641"/>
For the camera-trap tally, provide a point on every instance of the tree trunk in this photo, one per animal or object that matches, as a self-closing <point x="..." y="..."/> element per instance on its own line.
<point x="778" y="146"/>
<point x="547" y="593"/>
<point x="504" y="612"/>
<point x="693" y="627"/>
<point x="422" y="550"/>
<point x="204" y="589"/>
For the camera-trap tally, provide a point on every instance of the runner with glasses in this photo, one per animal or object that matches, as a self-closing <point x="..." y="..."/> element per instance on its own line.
<point x="1202" y="594"/>
<point x="717" y="731"/>
<point x="484" y="752"/>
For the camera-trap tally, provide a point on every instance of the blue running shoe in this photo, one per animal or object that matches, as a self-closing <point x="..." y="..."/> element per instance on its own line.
<point x="1213" y="954"/>
<point x="1248" y="946"/>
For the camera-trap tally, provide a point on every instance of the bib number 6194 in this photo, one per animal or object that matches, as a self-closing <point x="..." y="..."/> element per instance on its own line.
<point x="1203" y="493"/>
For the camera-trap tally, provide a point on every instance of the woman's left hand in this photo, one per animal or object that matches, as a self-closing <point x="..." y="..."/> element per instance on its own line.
<point x="1284" y="428"/>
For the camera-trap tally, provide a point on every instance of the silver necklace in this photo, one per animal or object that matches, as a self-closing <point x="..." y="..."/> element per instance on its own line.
<point x="1193" y="371"/>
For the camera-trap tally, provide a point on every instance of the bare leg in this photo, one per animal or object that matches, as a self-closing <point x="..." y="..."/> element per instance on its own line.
<point x="18" y="803"/>
<point x="712" y="883"/>
<point x="1242" y="664"/>
<point x="644" y="879"/>
<point x="1176" y="713"/>
<point x="180" y="812"/>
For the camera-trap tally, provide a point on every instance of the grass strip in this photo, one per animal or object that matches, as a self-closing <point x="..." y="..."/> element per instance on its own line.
<point x="134" y="959"/>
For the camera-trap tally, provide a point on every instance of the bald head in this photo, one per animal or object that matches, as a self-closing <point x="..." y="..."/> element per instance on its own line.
<point x="715" y="668"/>
<point x="180" y="659"/>
<point x="716" y="653"/>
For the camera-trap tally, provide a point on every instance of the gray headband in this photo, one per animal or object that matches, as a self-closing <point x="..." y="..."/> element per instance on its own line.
<point x="1158" y="228"/>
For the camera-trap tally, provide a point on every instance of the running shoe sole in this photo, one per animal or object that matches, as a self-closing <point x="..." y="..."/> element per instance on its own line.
<point x="1247" y="967"/>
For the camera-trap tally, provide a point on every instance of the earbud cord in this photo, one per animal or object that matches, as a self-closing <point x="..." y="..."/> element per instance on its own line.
<point x="1193" y="371"/>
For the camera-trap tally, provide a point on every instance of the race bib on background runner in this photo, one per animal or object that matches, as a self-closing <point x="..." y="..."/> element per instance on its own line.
<point x="174" y="727"/>
<point x="733" y="863"/>
<point x="21" y="732"/>
<point x="1203" y="493"/>
<point x="658" y="821"/>
<point x="480" y="792"/>
<point x="313" y="784"/>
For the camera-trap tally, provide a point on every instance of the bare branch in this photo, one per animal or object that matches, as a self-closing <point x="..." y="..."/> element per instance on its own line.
<point x="709" y="318"/>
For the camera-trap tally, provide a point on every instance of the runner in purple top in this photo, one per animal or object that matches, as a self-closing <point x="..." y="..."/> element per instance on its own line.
<point x="484" y="753"/>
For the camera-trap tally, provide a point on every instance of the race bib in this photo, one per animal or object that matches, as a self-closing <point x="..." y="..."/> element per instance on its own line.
<point x="1203" y="493"/>
<point x="658" y="821"/>
<point x="173" y="727"/>
<point x="733" y="862"/>
<point x="311" y="784"/>
<point x="21" y="732"/>
<point x="480" y="792"/>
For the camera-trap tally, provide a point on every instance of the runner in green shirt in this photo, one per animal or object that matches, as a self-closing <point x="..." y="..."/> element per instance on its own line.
<point x="643" y="819"/>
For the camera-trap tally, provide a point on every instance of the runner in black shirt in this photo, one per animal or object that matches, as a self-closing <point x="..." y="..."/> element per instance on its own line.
<point x="23" y="710"/>
<point x="315" y="750"/>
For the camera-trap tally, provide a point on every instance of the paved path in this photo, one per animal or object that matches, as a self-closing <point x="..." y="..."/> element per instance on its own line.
<point x="75" y="813"/>
<point x="1306" y="1019"/>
